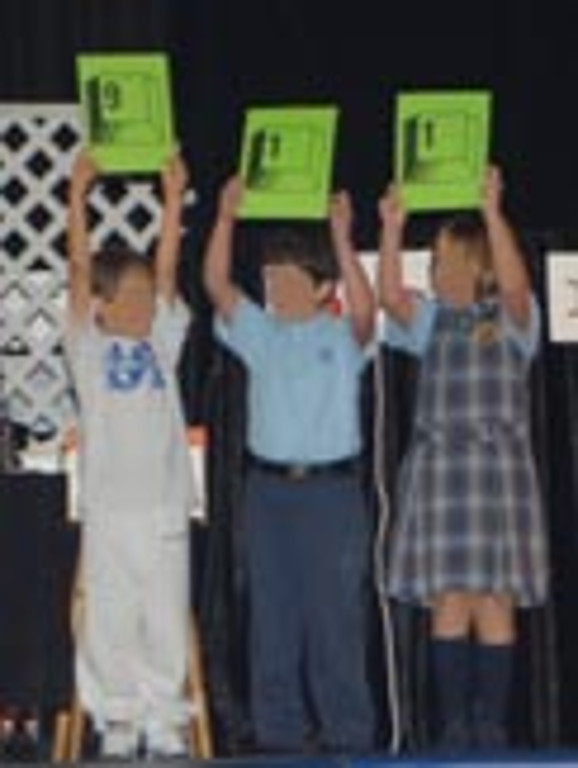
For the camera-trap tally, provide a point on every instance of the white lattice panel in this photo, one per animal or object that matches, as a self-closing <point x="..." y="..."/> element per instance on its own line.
<point x="37" y="146"/>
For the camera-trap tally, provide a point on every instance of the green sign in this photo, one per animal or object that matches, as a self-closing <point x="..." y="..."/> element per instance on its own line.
<point x="126" y="110"/>
<point x="286" y="162"/>
<point x="441" y="148"/>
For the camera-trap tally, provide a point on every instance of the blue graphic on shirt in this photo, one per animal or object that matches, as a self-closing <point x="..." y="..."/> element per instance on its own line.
<point x="129" y="367"/>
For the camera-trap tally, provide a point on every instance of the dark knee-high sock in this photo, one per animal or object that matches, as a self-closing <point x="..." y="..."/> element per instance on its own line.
<point x="452" y="680"/>
<point x="492" y="689"/>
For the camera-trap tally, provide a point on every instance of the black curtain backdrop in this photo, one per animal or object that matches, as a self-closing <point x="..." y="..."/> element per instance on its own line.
<point x="227" y="55"/>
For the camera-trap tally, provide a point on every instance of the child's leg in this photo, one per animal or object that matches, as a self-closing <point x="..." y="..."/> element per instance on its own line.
<point x="276" y="622"/>
<point x="494" y="625"/>
<point x="165" y="645"/>
<point x="335" y="557"/>
<point x="106" y="672"/>
<point x="451" y="659"/>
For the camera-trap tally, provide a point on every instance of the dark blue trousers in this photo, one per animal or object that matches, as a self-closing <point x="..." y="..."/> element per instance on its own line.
<point x="308" y="547"/>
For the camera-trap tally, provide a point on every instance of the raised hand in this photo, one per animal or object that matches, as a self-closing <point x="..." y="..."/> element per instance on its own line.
<point x="391" y="210"/>
<point x="341" y="214"/>
<point x="492" y="190"/>
<point x="174" y="177"/>
<point x="84" y="173"/>
<point x="230" y="198"/>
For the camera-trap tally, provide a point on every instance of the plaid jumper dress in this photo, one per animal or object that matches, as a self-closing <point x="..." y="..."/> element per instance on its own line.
<point x="469" y="514"/>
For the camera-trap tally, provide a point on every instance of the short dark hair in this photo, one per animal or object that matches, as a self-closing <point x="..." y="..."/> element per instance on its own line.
<point x="110" y="264"/>
<point x="308" y="248"/>
<point x="466" y="226"/>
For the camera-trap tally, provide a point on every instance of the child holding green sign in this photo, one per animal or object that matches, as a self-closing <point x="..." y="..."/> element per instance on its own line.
<point x="306" y="525"/>
<point x="468" y="541"/>
<point x="125" y="329"/>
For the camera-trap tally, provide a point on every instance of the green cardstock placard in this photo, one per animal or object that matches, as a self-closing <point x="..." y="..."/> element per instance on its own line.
<point x="441" y="148"/>
<point x="127" y="110"/>
<point x="286" y="162"/>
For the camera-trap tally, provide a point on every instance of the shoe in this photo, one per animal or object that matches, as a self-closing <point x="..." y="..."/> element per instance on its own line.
<point x="166" y="743"/>
<point x="120" y="740"/>
<point x="489" y="735"/>
<point x="454" y="738"/>
<point x="488" y="730"/>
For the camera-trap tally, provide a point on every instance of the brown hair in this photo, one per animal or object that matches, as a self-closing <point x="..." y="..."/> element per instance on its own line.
<point x="109" y="266"/>
<point x="308" y="249"/>
<point x="469" y="234"/>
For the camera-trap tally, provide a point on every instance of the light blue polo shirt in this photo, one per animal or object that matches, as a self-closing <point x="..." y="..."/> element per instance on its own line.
<point x="304" y="382"/>
<point x="414" y="336"/>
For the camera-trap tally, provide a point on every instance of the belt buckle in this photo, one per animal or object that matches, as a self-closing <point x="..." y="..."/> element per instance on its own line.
<point x="297" y="471"/>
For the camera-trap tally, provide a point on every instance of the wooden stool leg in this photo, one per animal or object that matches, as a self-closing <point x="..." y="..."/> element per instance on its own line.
<point x="77" y="719"/>
<point x="60" y="740"/>
<point x="200" y="721"/>
<point x="76" y="730"/>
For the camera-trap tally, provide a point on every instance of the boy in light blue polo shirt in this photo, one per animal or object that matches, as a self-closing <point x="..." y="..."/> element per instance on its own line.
<point x="308" y="531"/>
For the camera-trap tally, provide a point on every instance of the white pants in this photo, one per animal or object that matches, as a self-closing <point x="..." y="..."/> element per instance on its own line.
<point x="133" y="644"/>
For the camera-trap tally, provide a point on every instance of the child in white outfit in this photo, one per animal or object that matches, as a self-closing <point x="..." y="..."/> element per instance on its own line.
<point x="125" y="330"/>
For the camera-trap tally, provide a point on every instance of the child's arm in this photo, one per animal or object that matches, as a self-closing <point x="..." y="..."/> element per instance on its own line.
<point x="217" y="264"/>
<point x="359" y="295"/>
<point x="174" y="179"/>
<point x="507" y="259"/>
<point x="395" y="299"/>
<point x="84" y="173"/>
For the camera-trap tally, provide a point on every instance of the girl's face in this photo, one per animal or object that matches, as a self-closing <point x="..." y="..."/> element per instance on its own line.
<point x="131" y="310"/>
<point x="456" y="270"/>
<point x="291" y="292"/>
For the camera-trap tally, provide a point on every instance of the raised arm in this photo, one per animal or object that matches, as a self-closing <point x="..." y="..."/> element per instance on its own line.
<point x="84" y="172"/>
<point x="395" y="299"/>
<point x="358" y="292"/>
<point x="174" y="178"/>
<point x="217" y="262"/>
<point x="507" y="259"/>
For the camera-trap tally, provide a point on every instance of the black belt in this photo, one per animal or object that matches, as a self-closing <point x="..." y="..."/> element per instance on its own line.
<point x="301" y="471"/>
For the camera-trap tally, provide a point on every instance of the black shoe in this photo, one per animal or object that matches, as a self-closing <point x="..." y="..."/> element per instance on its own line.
<point x="489" y="735"/>
<point x="454" y="737"/>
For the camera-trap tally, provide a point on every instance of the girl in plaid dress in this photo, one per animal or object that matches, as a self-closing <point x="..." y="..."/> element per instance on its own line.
<point x="469" y="540"/>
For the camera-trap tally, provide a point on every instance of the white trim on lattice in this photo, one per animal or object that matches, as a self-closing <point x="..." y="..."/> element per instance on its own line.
<point x="40" y="110"/>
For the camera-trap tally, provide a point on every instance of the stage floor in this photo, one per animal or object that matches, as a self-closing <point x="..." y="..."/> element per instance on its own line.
<point x="510" y="759"/>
